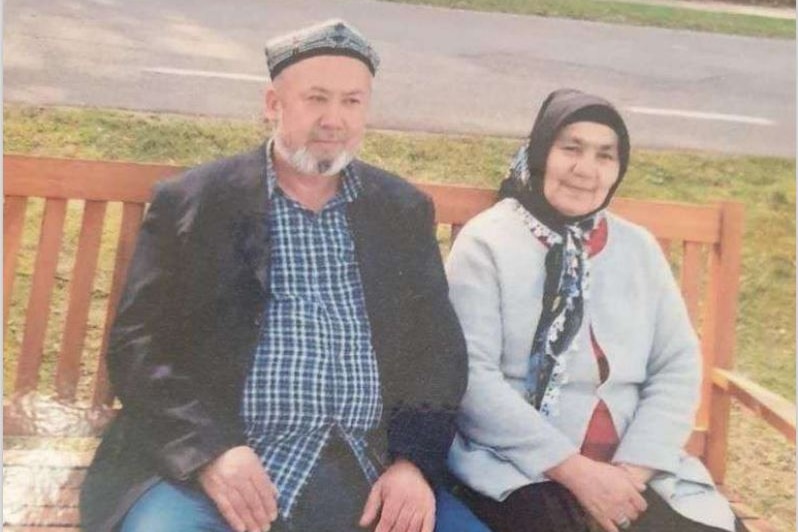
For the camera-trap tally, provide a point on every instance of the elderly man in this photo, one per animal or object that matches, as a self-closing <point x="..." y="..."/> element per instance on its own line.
<point x="285" y="351"/>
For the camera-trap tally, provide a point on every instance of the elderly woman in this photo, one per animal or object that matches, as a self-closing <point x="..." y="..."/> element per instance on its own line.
<point x="584" y="369"/>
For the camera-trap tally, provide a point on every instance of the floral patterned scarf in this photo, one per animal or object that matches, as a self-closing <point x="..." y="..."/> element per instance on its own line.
<point x="565" y="291"/>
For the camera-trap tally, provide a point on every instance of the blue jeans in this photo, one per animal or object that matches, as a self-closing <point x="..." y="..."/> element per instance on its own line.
<point x="169" y="507"/>
<point x="332" y="500"/>
<point x="452" y="515"/>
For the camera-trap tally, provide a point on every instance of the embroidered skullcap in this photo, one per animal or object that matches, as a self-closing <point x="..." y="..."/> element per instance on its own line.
<point x="331" y="37"/>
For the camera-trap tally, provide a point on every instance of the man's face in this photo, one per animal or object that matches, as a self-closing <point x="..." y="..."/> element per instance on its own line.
<point x="581" y="168"/>
<point x="320" y="106"/>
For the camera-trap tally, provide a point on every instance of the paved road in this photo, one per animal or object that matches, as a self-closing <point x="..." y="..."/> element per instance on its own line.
<point x="443" y="70"/>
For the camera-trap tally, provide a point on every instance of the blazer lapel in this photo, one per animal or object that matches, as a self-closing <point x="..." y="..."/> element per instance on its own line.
<point x="375" y="262"/>
<point x="253" y="241"/>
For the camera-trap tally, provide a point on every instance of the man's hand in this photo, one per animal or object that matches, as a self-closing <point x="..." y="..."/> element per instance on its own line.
<point x="407" y="501"/>
<point x="241" y="489"/>
<point x="607" y="492"/>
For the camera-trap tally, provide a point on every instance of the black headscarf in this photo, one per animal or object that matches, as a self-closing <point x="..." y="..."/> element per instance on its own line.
<point x="566" y="260"/>
<point x="560" y="109"/>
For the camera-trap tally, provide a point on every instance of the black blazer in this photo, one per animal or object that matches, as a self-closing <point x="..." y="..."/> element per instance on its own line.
<point x="188" y="322"/>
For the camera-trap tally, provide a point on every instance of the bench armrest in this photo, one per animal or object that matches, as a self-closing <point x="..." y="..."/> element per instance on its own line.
<point x="774" y="409"/>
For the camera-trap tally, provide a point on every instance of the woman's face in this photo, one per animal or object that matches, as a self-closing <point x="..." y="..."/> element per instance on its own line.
<point x="581" y="168"/>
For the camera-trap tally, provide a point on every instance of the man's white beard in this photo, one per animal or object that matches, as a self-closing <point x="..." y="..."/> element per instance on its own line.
<point x="306" y="163"/>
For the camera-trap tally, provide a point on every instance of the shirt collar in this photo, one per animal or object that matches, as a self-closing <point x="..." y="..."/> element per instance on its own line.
<point x="351" y="184"/>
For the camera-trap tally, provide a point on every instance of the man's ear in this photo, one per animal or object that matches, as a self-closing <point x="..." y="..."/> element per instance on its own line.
<point x="271" y="107"/>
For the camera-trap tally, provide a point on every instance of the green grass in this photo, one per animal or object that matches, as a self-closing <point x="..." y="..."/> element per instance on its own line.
<point x="766" y="317"/>
<point x="765" y="185"/>
<point x="629" y="13"/>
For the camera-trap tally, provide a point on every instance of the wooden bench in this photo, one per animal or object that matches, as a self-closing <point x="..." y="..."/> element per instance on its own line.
<point x="69" y="231"/>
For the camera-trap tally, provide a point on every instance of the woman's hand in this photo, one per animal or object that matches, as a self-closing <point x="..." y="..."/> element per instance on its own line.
<point x="639" y="473"/>
<point x="607" y="492"/>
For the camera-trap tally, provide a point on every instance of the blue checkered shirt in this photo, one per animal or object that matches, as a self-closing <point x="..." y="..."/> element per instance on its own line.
<point x="314" y="371"/>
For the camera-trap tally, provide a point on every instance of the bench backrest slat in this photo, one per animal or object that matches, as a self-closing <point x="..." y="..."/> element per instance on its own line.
<point x="672" y="220"/>
<point x="690" y="278"/>
<point x="68" y="367"/>
<point x="690" y="282"/>
<point x="13" y="220"/>
<point x="456" y="204"/>
<point x="38" y="312"/>
<point x="46" y="177"/>
<point x="665" y="245"/>
<point x="132" y="214"/>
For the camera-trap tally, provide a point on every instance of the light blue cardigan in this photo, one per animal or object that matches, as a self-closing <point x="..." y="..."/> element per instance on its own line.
<point x="496" y="272"/>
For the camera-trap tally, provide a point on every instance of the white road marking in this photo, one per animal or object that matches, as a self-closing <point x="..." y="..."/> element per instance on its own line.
<point x="698" y="115"/>
<point x="680" y="113"/>
<point x="206" y="74"/>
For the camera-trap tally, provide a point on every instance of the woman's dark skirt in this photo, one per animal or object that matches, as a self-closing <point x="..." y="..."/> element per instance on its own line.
<point x="550" y="507"/>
